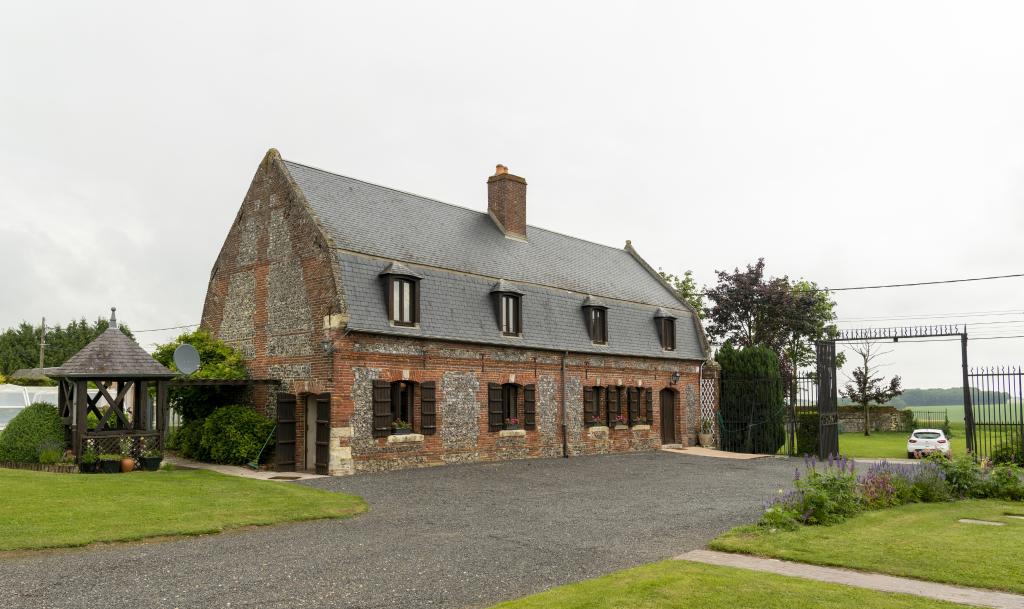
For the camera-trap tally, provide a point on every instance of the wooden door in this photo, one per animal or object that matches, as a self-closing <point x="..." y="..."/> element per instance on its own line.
<point x="284" y="452"/>
<point x="668" y="417"/>
<point x="323" y="433"/>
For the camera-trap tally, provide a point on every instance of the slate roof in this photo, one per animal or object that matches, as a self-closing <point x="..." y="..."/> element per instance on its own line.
<point x="112" y="354"/>
<point x="460" y="254"/>
<point x="33" y="373"/>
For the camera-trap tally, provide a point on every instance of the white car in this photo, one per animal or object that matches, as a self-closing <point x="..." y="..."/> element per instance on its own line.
<point x="925" y="441"/>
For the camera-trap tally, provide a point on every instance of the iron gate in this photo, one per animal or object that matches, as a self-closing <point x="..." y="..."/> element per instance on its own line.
<point x="828" y="400"/>
<point x="996" y="424"/>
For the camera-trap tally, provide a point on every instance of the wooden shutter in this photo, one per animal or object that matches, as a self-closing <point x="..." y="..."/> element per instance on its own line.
<point x="284" y="453"/>
<point x="649" y="405"/>
<point x="381" y="409"/>
<point x="495" y="412"/>
<point x="589" y="403"/>
<point x="633" y="400"/>
<point x="530" y="407"/>
<point x="612" y="399"/>
<point x="428" y="409"/>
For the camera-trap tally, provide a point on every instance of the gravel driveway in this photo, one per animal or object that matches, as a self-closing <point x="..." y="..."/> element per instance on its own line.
<point x="454" y="536"/>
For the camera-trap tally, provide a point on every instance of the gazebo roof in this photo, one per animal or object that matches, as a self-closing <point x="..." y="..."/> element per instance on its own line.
<point x="112" y="355"/>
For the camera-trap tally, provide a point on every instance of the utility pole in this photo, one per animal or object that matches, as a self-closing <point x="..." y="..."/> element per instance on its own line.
<point x="42" y="345"/>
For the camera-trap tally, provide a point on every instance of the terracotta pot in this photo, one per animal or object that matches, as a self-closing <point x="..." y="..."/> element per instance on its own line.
<point x="127" y="464"/>
<point x="707" y="440"/>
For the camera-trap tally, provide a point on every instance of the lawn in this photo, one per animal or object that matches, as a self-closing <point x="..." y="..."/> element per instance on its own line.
<point x="923" y="541"/>
<point x="888" y="444"/>
<point x="43" y="510"/>
<point x="677" y="583"/>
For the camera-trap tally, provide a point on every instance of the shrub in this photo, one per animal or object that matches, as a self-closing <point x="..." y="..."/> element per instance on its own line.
<point x="218" y="361"/>
<point x="963" y="475"/>
<point x="50" y="452"/>
<point x="752" y="406"/>
<point x="1012" y="452"/>
<point x="234" y="435"/>
<point x="822" y="497"/>
<point x="189" y="440"/>
<point x="807" y="433"/>
<point x="908" y="422"/>
<point x="35" y="425"/>
<point x="1005" y="482"/>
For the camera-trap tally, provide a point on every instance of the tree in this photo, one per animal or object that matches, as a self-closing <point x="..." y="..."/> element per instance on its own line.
<point x="217" y="360"/>
<point x="19" y="346"/>
<point x="867" y="385"/>
<point x="686" y="289"/>
<point x="751" y="402"/>
<point x="749" y="309"/>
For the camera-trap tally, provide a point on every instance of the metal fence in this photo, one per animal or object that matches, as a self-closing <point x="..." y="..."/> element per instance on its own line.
<point x="995" y="421"/>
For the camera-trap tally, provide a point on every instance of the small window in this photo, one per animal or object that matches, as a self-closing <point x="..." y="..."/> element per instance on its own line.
<point x="511" y="318"/>
<point x="509" y="404"/>
<point x="404" y="304"/>
<point x="599" y="325"/>
<point x="402" y="412"/>
<point x="668" y="333"/>
<point x="593" y="412"/>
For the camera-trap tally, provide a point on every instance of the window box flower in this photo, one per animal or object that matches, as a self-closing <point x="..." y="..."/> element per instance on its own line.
<point x="512" y="424"/>
<point x="401" y="428"/>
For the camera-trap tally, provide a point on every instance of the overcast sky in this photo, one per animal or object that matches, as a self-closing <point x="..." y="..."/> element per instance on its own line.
<point x="847" y="143"/>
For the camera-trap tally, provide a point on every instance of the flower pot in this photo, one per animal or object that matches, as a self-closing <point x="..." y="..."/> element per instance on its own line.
<point x="404" y="431"/>
<point x="110" y="467"/>
<point x="150" y="464"/>
<point x="127" y="464"/>
<point x="706" y="440"/>
<point x="89" y="468"/>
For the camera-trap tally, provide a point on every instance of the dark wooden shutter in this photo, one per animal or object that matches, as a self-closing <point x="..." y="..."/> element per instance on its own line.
<point x="495" y="412"/>
<point x="428" y="409"/>
<point x="589" y="404"/>
<point x="648" y="405"/>
<point x="381" y="409"/>
<point x="612" y="400"/>
<point x="530" y="407"/>
<point x="284" y="452"/>
<point x="633" y="400"/>
<point x="323" y="434"/>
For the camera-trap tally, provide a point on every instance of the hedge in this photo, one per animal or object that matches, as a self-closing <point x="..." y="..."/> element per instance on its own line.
<point x="36" y="427"/>
<point x="232" y="435"/>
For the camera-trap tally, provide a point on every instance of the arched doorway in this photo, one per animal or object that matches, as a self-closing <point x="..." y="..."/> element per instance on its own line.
<point x="668" y="417"/>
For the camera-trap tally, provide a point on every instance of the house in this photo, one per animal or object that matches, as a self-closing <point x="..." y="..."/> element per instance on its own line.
<point x="406" y="331"/>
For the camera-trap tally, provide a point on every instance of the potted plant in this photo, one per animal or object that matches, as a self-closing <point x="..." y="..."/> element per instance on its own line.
<point x="127" y="461"/>
<point x="595" y="420"/>
<point x="150" y="459"/>
<point x="401" y="428"/>
<point x="619" y="422"/>
<point x="706" y="435"/>
<point x="512" y="423"/>
<point x="110" y="463"/>
<point x="89" y="461"/>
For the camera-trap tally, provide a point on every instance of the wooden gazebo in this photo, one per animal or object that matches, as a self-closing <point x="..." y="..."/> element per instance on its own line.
<point x="122" y="374"/>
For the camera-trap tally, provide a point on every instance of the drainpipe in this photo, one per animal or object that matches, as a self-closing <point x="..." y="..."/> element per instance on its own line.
<point x="565" y="432"/>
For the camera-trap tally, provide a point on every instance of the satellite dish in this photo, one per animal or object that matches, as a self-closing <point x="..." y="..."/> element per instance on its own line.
<point x="186" y="358"/>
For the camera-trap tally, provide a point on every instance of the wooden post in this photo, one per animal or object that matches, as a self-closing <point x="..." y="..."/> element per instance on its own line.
<point x="81" y="420"/>
<point x="161" y="411"/>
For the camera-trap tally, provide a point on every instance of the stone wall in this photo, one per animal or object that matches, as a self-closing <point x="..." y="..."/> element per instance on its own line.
<point x="851" y="419"/>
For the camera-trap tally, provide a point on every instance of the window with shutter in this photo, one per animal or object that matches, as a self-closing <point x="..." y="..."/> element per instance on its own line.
<point x="633" y="401"/>
<point x="402" y="400"/>
<point x="428" y="409"/>
<point x="381" y="408"/>
<point x="589" y="406"/>
<point x="530" y="407"/>
<point x="495" y="412"/>
<point x="613" y="405"/>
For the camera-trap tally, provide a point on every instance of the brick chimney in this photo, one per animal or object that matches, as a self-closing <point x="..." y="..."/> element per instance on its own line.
<point x="506" y="202"/>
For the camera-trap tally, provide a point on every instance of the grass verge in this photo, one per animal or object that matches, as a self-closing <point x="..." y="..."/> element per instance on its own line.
<point x="922" y="540"/>
<point x="42" y="510"/>
<point x="887" y="444"/>
<point x="680" y="584"/>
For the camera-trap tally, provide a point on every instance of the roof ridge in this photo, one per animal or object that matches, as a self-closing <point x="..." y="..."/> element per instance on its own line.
<point x="455" y="205"/>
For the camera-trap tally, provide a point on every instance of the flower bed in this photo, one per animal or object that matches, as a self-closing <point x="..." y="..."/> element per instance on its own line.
<point x="56" y="468"/>
<point x="828" y="493"/>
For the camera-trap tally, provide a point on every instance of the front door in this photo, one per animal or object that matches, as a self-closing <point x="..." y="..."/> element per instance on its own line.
<point x="284" y="452"/>
<point x="668" y="417"/>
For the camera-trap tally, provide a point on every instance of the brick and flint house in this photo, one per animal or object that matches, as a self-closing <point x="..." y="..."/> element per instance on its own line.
<point x="408" y="332"/>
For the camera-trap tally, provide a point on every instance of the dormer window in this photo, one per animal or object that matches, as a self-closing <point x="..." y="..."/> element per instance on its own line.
<point x="666" y="324"/>
<point x="403" y="294"/>
<point x="595" y="314"/>
<point x="508" y="302"/>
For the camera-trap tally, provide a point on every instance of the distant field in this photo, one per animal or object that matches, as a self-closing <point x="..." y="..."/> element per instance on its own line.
<point x="1007" y="414"/>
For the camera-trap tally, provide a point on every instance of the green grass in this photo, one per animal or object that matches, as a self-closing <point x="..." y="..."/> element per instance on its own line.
<point x="680" y="584"/>
<point x="888" y="444"/>
<point x="43" y="510"/>
<point x="923" y="541"/>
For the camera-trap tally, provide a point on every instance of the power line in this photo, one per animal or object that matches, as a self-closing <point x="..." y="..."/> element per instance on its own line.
<point x="938" y="315"/>
<point x="900" y="285"/>
<point x="168" y="328"/>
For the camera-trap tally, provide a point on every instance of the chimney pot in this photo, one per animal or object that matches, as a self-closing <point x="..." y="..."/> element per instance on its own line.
<point x="500" y="170"/>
